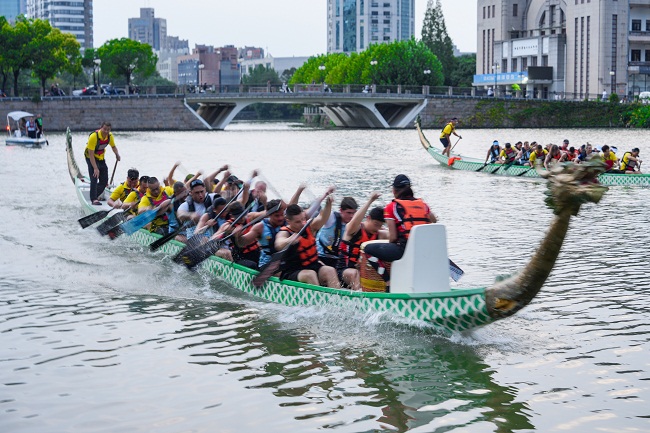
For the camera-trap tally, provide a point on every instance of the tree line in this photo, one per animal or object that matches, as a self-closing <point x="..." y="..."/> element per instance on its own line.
<point x="33" y="48"/>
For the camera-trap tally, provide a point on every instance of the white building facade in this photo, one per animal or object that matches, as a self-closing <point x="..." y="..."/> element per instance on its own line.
<point x="74" y="16"/>
<point x="352" y="25"/>
<point x="570" y="49"/>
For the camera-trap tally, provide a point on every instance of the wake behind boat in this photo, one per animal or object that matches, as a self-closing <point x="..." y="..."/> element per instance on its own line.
<point x="459" y="162"/>
<point x="420" y="288"/>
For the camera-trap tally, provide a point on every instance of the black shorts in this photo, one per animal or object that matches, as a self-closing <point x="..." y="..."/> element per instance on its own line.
<point x="445" y="142"/>
<point x="292" y="274"/>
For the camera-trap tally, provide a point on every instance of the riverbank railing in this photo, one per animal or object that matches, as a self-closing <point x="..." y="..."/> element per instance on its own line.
<point x="34" y="93"/>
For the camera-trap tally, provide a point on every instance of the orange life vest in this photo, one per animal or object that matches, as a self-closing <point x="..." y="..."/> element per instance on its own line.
<point x="250" y="248"/>
<point x="352" y="248"/>
<point x="303" y="253"/>
<point x="410" y="213"/>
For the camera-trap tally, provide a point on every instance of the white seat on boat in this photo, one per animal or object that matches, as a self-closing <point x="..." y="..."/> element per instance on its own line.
<point x="424" y="267"/>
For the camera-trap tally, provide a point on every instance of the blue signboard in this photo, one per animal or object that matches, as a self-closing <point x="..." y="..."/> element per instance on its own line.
<point x="504" y="78"/>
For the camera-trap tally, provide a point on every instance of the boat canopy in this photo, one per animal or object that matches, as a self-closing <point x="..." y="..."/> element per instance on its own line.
<point x="17" y="115"/>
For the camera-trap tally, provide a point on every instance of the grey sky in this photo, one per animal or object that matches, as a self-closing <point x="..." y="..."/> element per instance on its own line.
<point x="283" y="27"/>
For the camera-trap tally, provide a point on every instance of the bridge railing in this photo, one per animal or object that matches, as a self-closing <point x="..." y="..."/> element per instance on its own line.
<point x="34" y="92"/>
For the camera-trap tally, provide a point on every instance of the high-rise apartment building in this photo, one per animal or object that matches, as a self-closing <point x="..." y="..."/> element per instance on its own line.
<point x="10" y="9"/>
<point x="74" y="17"/>
<point x="573" y="49"/>
<point x="148" y="29"/>
<point x="352" y="25"/>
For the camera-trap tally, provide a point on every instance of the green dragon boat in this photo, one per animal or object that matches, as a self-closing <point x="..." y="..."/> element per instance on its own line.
<point x="420" y="288"/>
<point x="459" y="162"/>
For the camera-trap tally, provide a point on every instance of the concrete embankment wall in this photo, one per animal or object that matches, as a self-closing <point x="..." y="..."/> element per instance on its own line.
<point x="124" y="113"/>
<point x="169" y="113"/>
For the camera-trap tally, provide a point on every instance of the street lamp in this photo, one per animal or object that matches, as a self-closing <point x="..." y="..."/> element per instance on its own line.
<point x="495" y="70"/>
<point x="201" y="66"/>
<point x="612" y="78"/>
<point x="97" y="62"/>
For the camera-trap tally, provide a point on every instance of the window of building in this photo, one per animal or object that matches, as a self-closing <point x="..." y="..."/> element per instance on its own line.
<point x="524" y="63"/>
<point x="636" y="25"/>
<point x="387" y="38"/>
<point x="483" y="12"/>
<point x="514" y="10"/>
<point x="386" y="21"/>
<point x="488" y="11"/>
<point x="386" y="5"/>
<point x="636" y="56"/>
<point x="374" y="13"/>
<point x="533" y="61"/>
<point x="361" y="7"/>
<point x="647" y="55"/>
<point x="493" y="12"/>
<point x="544" y="60"/>
<point x="386" y="13"/>
<point x="514" y="65"/>
<point x="647" y="25"/>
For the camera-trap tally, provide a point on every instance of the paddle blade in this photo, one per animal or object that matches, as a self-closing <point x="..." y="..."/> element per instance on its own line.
<point x="454" y="271"/>
<point x="195" y="257"/>
<point x="482" y="167"/>
<point x="191" y="244"/>
<point x="115" y="232"/>
<point x="162" y="241"/>
<point x="135" y="224"/>
<point x="110" y="223"/>
<point x="269" y="269"/>
<point x="91" y="219"/>
<point x="496" y="169"/>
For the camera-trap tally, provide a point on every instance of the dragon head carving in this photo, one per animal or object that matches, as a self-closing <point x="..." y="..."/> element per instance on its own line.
<point x="571" y="185"/>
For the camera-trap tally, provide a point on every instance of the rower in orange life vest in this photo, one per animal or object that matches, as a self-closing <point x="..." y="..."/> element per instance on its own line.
<point x="401" y="215"/>
<point x="554" y="156"/>
<point x="95" y="152"/>
<point x="301" y="261"/>
<point x="356" y="233"/>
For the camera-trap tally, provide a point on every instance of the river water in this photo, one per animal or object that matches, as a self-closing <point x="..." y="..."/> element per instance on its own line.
<point x="104" y="336"/>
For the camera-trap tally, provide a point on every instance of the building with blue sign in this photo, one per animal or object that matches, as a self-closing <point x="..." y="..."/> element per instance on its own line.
<point x="575" y="49"/>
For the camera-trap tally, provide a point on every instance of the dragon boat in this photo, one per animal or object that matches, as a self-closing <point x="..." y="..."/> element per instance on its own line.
<point x="459" y="162"/>
<point x="420" y="287"/>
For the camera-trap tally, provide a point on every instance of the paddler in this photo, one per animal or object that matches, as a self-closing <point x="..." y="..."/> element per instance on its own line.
<point x="450" y="128"/>
<point x="95" y="152"/>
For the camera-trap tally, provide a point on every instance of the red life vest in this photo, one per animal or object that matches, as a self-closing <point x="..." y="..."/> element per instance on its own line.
<point x="352" y="248"/>
<point x="410" y="213"/>
<point x="510" y="154"/>
<point x="250" y="248"/>
<point x="100" y="148"/>
<point x="161" y="220"/>
<point x="302" y="254"/>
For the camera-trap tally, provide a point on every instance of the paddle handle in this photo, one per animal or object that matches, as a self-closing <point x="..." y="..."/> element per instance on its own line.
<point x="452" y="147"/>
<point x="113" y="175"/>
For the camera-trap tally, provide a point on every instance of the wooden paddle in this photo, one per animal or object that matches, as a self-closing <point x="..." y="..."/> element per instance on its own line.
<point x="455" y="272"/>
<point x="155" y="245"/>
<point x="452" y="147"/>
<point x="91" y="219"/>
<point x="525" y="171"/>
<point x="113" y="175"/>
<point x="196" y="256"/>
<point x="504" y="166"/>
<point x="269" y="269"/>
<point x="482" y="167"/>
<point x="194" y="241"/>
<point x="110" y="223"/>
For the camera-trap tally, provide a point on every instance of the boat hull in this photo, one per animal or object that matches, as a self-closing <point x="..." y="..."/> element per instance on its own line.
<point x="454" y="310"/>
<point x="25" y="142"/>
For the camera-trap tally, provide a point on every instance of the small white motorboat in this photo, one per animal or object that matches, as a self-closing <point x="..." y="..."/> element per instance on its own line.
<point x="15" y="134"/>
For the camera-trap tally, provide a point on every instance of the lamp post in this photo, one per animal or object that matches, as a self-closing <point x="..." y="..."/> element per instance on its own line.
<point x="612" y="79"/>
<point x="425" y="87"/>
<point x="373" y="63"/>
<point x="97" y="62"/>
<point x="495" y="70"/>
<point x="200" y="77"/>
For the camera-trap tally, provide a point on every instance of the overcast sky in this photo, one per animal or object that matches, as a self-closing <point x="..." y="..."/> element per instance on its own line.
<point x="283" y="27"/>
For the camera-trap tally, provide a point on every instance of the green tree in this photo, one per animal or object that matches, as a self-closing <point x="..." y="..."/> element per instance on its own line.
<point x="4" y="37"/>
<point x="260" y="75"/>
<point x="435" y="36"/>
<point x="53" y="51"/>
<point x="463" y="74"/>
<point x="18" y="50"/>
<point x="124" y="57"/>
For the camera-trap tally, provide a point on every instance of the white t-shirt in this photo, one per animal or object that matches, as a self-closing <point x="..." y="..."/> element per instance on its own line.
<point x="199" y="208"/>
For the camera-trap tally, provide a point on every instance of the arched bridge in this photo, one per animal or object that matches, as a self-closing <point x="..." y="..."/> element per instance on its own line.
<point x="351" y="110"/>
